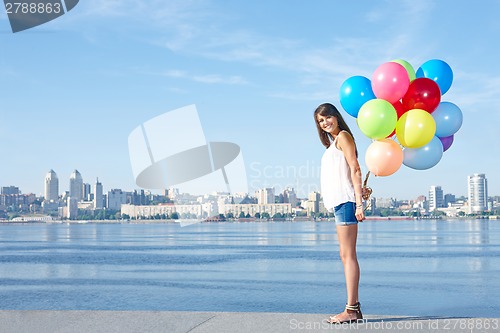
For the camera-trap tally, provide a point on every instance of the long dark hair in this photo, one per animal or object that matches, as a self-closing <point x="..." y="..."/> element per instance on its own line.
<point x="329" y="110"/>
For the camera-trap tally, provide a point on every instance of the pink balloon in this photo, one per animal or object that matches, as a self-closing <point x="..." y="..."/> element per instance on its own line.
<point x="384" y="157"/>
<point x="390" y="81"/>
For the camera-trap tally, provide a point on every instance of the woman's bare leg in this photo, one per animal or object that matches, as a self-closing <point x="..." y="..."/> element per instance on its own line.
<point x="347" y="236"/>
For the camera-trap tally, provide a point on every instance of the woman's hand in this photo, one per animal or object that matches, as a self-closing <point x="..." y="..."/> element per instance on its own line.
<point x="366" y="192"/>
<point x="360" y="213"/>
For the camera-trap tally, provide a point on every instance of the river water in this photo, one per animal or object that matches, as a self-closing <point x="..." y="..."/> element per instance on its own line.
<point x="421" y="268"/>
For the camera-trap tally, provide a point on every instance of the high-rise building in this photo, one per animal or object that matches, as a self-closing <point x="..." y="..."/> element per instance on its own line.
<point x="172" y="193"/>
<point x="289" y="196"/>
<point x="436" y="198"/>
<point x="449" y="199"/>
<point x="76" y="186"/>
<point x="477" y="189"/>
<point x="87" y="192"/>
<point x="10" y="190"/>
<point x="51" y="187"/>
<point x="313" y="202"/>
<point x="72" y="208"/>
<point x="115" y="199"/>
<point x="98" y="199"/>
<point x="265" y="195"/>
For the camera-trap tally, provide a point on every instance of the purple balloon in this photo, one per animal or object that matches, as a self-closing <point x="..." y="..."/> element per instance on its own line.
<point x="446" y="141"/>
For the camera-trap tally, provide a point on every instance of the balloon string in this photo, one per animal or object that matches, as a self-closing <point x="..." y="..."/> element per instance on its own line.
<point x="366" y="179"/>
<point x="366" y="191"/>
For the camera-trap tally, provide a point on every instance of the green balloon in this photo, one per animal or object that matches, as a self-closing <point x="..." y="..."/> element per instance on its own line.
<point x="377" y="119"/>
<point x="408" y="67"/>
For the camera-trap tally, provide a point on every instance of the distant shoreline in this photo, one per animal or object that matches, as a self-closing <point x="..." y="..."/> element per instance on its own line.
<point x="243" y="220"/>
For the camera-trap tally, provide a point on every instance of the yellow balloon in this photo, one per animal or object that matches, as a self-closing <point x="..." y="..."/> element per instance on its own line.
<point x="415" y="128"/>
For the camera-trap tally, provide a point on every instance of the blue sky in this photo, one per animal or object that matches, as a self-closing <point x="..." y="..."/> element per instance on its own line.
<point x="73" y="89"/>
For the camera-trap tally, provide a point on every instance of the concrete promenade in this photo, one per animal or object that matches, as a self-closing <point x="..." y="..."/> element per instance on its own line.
<point x="221" y="322"/>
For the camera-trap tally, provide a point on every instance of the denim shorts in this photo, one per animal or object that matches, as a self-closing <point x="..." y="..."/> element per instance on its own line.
<point x="345" y="213"/>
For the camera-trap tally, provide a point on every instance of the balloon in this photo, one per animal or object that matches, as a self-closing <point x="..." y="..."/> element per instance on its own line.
<point x="383" y="157"/>
<point x="377" y="118"/>
<point x="354" y="92"/>
<point x="399" y="111"/>
<point x="391" y="135"/>
<point x="415" y="128"/>
<point x="438" y="71"/>
<point x="446" y="141"/>
<point x="448" y="118"/>
<point x="399" y="108"/>
<point x="423" y="93"/>
<point x="390" y="81"/>
<point x="425" y="157"/>
<point x="408" y="67"/>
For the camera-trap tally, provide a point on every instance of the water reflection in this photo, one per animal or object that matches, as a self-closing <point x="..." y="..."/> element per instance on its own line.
<point x="430" y="232"/>
<point x="249" y="266"/>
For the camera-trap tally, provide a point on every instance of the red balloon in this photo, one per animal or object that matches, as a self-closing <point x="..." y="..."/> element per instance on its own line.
<point x="399" y="111"/>
<point x="399" y="108"/>
<point x="423" y="93"/>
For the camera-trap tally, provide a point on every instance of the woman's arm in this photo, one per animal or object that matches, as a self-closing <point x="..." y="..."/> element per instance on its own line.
<point x="348" y="147"/>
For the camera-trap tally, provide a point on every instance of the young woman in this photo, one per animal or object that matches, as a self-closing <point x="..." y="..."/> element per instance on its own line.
<point x="342" y="193"/>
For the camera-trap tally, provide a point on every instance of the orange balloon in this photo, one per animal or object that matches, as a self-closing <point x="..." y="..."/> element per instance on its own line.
<point x="384" y="157"/>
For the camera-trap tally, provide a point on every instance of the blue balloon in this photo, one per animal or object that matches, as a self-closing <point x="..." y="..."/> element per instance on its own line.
<point x="425" y="157"/>
<point x="439" y="71"/>
<point x="354" y="92"/>
<point x="448" y="118"/>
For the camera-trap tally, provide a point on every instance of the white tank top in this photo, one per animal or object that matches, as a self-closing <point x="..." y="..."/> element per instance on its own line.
<point x="336" y="182"/>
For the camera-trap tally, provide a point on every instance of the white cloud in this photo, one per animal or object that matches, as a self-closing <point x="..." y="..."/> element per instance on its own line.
<point x="214" y="78"/>
<point x="205" y="78"/>
<point x="199" y="28"/>
<point x="112" y="8"/>
<point x="175" y="73"/>
<point x="177" y="90"/>
<point x="475" y="91"/>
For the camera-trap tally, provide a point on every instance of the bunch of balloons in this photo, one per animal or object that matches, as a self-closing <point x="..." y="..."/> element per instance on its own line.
<point x="399" y="103"/>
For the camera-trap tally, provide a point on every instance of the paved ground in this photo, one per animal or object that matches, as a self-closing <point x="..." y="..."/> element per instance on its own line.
<point x="221" y="322"/>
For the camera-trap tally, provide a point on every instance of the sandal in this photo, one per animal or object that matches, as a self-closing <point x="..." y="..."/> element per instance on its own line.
<point x="352" y="313"/>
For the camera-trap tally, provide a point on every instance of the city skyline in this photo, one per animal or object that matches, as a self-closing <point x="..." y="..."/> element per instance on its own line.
<point x="101" y="189"/>
<point x="81" y="201"/>
<point x="74" y="88"/>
